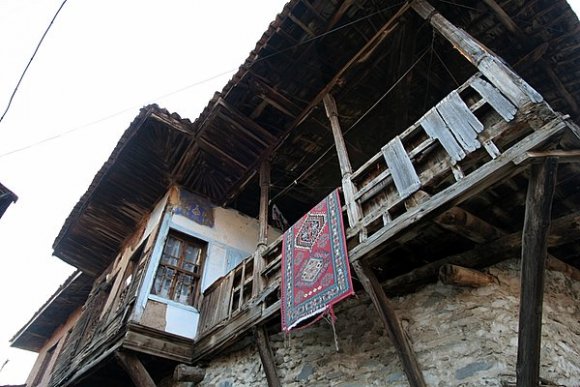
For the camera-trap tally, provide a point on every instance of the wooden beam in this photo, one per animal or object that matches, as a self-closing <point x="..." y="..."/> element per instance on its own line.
<point x="473" y="183"/>
<point x="504" y="18"/>
<point x="564" y="230"/>
<point x="366" y="50"/>
<point x="371" y="45"/>
<point x="468" y="225"/>
<point x="247" y="122"/>
<point x="392" y="324"/>
<point x="563" y="156"/>
<point x="511" y="85"/>
<point x="508" y="22"/>
<point x="210" y="147"/>
<point x="339" y="13"/>
<point x="265" y="351"/>
<point x="135" y="369"/>
<point x="541" y="187"/>
<point x="187" y="373"/>
<point x="461" y="276"/>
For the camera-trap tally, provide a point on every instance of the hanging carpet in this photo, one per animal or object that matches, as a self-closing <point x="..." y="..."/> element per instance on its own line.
<point x="315" y="266"/>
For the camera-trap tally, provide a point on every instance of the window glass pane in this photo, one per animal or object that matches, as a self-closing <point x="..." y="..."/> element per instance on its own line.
<point x="172" y="246"/>
<point x="191" y="253"/>
<point x="162" y="284"/>
<point x="183" y="289"/>
<point x="169" y="260"/>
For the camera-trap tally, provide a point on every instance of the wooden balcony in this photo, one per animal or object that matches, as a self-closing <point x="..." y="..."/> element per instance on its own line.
<point x="480" y="133"/>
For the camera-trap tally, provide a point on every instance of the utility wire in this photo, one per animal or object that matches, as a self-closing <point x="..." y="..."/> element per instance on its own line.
<point x="30" y="61"/>
<point x="48" y="139"/>
<point x="113" y="115"/>
<point x="331" y="147"/>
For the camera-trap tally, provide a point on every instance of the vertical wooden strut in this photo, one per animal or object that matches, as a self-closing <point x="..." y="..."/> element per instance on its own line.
<point x="353" y="210"/>
<point x="266" y="356"/>
<point x="263" y="226"/>
<point x="534" y="251"/>
<point x="135" y="369"/>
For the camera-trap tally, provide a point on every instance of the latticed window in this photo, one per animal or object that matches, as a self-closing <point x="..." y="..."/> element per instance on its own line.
<point x="179" y="272"/>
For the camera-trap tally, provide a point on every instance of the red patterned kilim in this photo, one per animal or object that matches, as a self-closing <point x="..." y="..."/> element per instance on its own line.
<point x="315" y="266"/>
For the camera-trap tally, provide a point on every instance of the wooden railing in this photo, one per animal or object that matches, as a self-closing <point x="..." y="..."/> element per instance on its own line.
<point x="230" y="294"/>
<point x="474" y="126"/>
<point x="471" y="126"/>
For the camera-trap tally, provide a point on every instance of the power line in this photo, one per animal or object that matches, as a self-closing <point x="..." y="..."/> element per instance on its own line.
<point x="30" y="61"/>
<point x="113" y="115"/>
<point x="67" y="132"/>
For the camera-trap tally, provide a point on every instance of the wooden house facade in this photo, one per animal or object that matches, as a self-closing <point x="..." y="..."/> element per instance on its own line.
<point x="451" y="132"/>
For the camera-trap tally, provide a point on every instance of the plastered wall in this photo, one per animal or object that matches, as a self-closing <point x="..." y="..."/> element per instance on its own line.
<point x="230" y="238"/>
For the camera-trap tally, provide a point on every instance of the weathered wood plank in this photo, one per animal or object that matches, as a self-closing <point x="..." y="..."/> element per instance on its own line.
<point x="497" y="101"/>
<point x="392" y="324"/>
<point x="511" y="85"/>
<point x="564" y="230"/>
<point x="461" y="276"/>
<point x="473" y="183"/>
<point x="541" y="187"/>
<point x="461" y="121"/>
<point x="436" y="128"/>
<point x="187" y="373"/>
<point x="404" y="174"/>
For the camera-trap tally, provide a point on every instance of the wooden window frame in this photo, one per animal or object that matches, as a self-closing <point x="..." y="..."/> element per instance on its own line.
<point x="178" y="269"/>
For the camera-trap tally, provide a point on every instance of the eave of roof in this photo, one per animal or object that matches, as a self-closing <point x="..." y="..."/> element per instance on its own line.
<point x="7" y="197"/>
<point x="216" y="158"/>
<point x="56" y="310"/>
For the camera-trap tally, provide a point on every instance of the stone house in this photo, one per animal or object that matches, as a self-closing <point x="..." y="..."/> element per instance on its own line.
<point x="451" y="133"/>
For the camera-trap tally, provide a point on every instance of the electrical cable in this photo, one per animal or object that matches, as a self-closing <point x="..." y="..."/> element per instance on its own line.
<point x="30" y="61"/>
<point x="258" y="60"/>
<point x="315" y="163"/>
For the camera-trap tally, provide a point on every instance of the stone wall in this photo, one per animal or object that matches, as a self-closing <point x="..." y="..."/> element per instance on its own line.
<point x="462" y="337"/>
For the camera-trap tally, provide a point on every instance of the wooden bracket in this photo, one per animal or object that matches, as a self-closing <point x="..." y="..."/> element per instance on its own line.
<point x="135" y="369"/>
<point x="263" y="344"/>
<point x="392" y="324"/>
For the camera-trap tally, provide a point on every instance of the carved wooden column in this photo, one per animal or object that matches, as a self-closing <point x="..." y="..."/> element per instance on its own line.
<point x="353" y="210"/>
<point x="263" y="227"/>
<point x="365" y="274"/>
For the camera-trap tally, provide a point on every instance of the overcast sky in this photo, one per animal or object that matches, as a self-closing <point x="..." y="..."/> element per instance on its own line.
<point x="100" y="59"/>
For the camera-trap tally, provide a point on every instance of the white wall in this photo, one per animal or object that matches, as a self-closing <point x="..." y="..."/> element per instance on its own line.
<point x="232" y="237"/>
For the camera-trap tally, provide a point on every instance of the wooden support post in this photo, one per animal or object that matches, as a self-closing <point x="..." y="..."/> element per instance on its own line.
<point x="353" y="209"/>
<point x="263" y="227"/>
<point x="534" y="250"/>
<point x="267" y="357"/>
<point x="392" y="324"/>
<point x="135" y="369"/>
